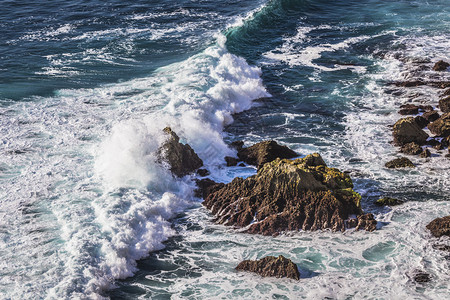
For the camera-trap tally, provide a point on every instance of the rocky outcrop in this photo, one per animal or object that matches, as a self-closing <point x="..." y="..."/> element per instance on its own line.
<point x="264" y="152"/>
<point x="271" y="266"/>
<point x="406" y="131"/>
<point x="441" y="66"/>
<point x="440" y="226"/>
<point x="441" y="127"/>
<point x="181" y="158"/>
<point x="411" y="149"/>
<point x="401" y="162"/>
<point x="444" y="104"/>
<point x="288" y="195"/>
<point x="431" y="116"/>
<point x="409" y="109"/>
<point x="207" y="186"/>
<point x="388" y="201"/>
<point x="231" y="161"/>
<point x="425" y="153"/>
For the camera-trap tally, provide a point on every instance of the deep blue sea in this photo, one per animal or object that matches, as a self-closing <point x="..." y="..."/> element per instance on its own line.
<point x="86" y="88"/>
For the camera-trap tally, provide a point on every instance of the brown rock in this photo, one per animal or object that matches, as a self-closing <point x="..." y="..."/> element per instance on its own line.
<point x="425" y="107"/>
<point x="264" y="152"/>
<point x="287" y="195"/>
<point x="431" y="116"/>
<point x="202" y="172"/>
<point x="425" y="154"/>
<point x="406" y="131"/>
<point x="411" y="149"/>
<point x="421" y="121"/>
<point x="181" y="158"/>
<point x="440" y="226"/>
<point x="402" y="162"/>
<point x="441" y="127"/>
<point x="388" y="201"/>
<point x="366" y="222"/>
<point x="446" y="93"/>
<point x="444" y="104"/>
<point x="409" y="109"/>
<point x="271" y="266"/>
<point x="207" y="186"/>
<point x="231" y="161"/>
<point x="441" y="66"/>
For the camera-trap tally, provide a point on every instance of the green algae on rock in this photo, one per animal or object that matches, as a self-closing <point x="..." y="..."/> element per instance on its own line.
<point x="388" y="201"/>
<point x="271" y="266"/>
<point x="300" y="194"/>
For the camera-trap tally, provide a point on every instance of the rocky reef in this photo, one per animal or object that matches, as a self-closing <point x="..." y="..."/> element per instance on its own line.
<point x="300" y="194"/>
<point x="181" y="158"/>
<point x="271" y="266"/>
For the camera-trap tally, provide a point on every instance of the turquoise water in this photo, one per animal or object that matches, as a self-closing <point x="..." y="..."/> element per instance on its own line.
<point x="87" y="86"/>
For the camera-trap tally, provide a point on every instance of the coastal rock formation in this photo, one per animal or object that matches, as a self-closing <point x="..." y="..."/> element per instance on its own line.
<point x="411" y="148"/>
<point x="425" y="153"/>
<point x="401" y="162"/>
<point x="271" y="266"/>
<point x="441" y="66"/>
<point x="388" y="201"/>
<point x="264" y="152"/>
<point x="206" y="186"/>
<point x="444" y="104"/>
<point x="440" y="226"/>
<point x="431" y="116"/>
<point x="409" y="109"/>
<point x="406" y="131"/>
<point x="441" y="127"/>
<point x="181" y="158"/>
<point x="289" y="195"/>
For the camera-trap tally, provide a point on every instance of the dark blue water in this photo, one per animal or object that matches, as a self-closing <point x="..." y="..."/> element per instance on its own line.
<point x="87" y="86"/>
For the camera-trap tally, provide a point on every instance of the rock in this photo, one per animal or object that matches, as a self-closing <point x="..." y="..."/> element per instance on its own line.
<point x="441" y="247"/>
<point x="366" y="222"/>
<point x="425" y="108"/>
<point x="431" y="116"/>
<point x="440" y="226"/>
<point x="413" y="83"/>
<point x="409" y="109"/>
<point x="287" y="195"/>
<point x="238" y="145"/>
<point x="388" y="201"/>
<point x="441" y="127"/>
<point x="231" y="161"/>
<point x="264" y="152"/>
<point x="206" y="186"/>
<point x="421" y="121"/>
<point x="441" y="66"/>
<point x="402" y="162"/>
<point x="406" y="131"/>
<point x="411" y="149"/>
<point x="444" y="104"/>
<point x="202" y="172"/>
<point x="446" y="93"/>
<point x="181" y="158"/>
<point x="421" y="277"/>
<point x="271" y="266"/>
<point x="425" y="153"/>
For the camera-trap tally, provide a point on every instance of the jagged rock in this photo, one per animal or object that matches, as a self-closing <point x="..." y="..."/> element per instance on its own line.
<point x="425" y="153"/>
<point x="287" y="195"/>
<point x="409" y="109"/>
<point x="425" y="108"/>
<point x="441" y="127"/>
<point x="366" y="222"/>
<point x="271" y="266"/>
<point x="231" y="161"/>
<point x="388" y="201"/>
<point x="206" y="186"/>
<point x="431" y="116"/>
<point x="238" y="145"/>
<point x="264" y="152"/>
<point x="444" y="104"/>
<point x="440" y="226"/>
<point x="181" y="158"/>
<point x="421" y="277"/>
<point x="406" y="131"/>
<point x="441" y="66"/>
<point x="446" y="93"/>
<point x="402" y="162"/>
<point x="421" y="121"/>
<point x="202" y="172"/>
<point x="411" y="149"/>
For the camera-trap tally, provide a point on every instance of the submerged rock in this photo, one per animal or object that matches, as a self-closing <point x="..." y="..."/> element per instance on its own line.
<point x="264" y="152"/>
<point x="406" y="130"/>
<point x="440" y="226"/>
<point x="421" y="277"/>
<point x="441" y="66"/>
<point x="441" y="126"/>
<point x="182" y="159"/>
<point x="271" y="266"/>
<point x="287" y="195"/>
<point x="412" y="149"/>
<point x="402" y="162"/>
<point x="444" y="104"/>
<point x="388" y="201"/>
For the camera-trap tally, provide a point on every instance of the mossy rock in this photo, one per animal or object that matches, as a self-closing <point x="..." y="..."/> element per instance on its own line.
<point x="388" y="201"/>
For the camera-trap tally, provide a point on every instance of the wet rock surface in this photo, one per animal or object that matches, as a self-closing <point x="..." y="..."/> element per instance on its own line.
<point x="388" y="201"/>
<point x="301" y="194"/>
<point x="406" y="131"/>
<point x="441" y="66"/>
<point x="440" y="226"/>
<point x="444" y="104"/>
<point x="401" y="162"/>
<point x="271" y="266"/>
<point x="263" y="152"/>
<point x="441" y="127"/>
<point x="181" y="158"/>
<point x="411" y="149"/>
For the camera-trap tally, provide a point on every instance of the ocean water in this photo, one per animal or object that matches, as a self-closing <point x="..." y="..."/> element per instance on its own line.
<point x="87" y="87"/>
